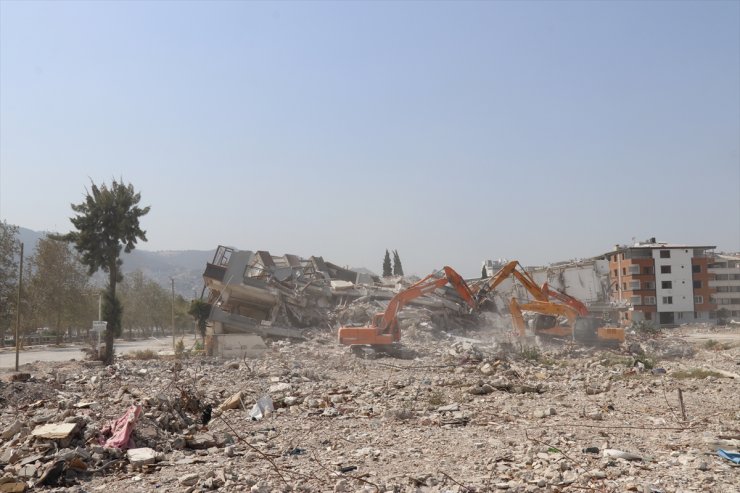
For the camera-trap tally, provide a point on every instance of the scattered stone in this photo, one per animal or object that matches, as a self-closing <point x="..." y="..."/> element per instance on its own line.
<point x="189" y="479"/>
<point x="10" y="431"/>
<point x="139" y="457"/>
<point x="233" y="402"/>
<point x="13" y="487"/>
<point x="55" y="431"/>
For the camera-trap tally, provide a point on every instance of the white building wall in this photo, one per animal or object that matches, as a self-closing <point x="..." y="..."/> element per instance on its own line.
<point x="588" y="282"/>
<point x="682" y="288"/>
<point x="727" y="270"/>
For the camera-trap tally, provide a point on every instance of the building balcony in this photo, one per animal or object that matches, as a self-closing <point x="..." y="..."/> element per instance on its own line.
<point x="215" y="272"/>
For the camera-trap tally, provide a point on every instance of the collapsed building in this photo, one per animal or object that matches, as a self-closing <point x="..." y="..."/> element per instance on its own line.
<point x="256" y="295"/>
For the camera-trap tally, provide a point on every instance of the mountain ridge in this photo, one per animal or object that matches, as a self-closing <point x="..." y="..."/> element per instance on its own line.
<point x="186" y="267"/>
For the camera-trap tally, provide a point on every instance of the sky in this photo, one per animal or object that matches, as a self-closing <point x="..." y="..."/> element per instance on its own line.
<point x="452" y="132"/>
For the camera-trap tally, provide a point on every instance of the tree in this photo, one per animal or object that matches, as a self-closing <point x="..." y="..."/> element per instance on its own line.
<point x="387" y="265"/>
<point x="9" y="250"/>
<point x="58" y="286"/>
<point x="723" y="316"/>
<point x="146" y="304"/>
<point x="397" y="267"/>
<point x="200" y="311"/>
<point x="106" y="222"/>
<point x="483" y="273"/>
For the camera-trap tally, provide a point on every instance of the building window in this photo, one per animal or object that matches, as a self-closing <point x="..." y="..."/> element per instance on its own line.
<point x="679" y="315"/>
<point x="634" y="269"/>
<point x="667" y="300"/>
<point x="634" y="285"/>
<point x="697" y="284"/>
<point x="649" y="285"/>
<point x="624" y="286"/>
<point x="698" y="300"/>
<point x="665" y="269"/>
<point x="636" y="300"/>
<point x="615" y="273"/>
<point x="648" y="316"/>
<point x="624" y="271"/>
<point x="647" y="270"/>
<point x="623" y="256"/>
<point x="696" y="269"/>
<point x="666" y="284"/>
<point x="649" y="300"/>
<point x="665" y="254"/>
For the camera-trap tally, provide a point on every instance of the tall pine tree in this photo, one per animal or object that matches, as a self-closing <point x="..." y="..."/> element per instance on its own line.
<point x="397" y="267"/>
<point x="107" y="222"/>
<point x="387" y="265"/>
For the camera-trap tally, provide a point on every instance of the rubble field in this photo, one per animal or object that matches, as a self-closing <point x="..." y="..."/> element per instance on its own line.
<point x="464" y="415"/>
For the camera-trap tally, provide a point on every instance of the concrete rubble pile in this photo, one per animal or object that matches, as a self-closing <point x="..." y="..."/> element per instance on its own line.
<point x="255" y="295"/>
<point x="306" y="415"/>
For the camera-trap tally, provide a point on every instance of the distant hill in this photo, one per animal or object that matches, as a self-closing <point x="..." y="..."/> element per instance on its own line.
<point x="184" y="266"/>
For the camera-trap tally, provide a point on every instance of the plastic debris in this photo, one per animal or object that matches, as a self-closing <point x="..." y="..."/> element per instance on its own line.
<point x="262" y="407"/>
<point x="620" y="454"/>
<point x="731" y="456"/>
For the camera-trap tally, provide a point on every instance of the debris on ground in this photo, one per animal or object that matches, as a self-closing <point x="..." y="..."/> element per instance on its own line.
<point x="463" y="415"/>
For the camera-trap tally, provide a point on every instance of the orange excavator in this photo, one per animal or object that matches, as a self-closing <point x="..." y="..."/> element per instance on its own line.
<point x="569" y="300"/>
<point x="510" y="269"/>
<point x="581" y="326"/>
<point x="383" y="329"/>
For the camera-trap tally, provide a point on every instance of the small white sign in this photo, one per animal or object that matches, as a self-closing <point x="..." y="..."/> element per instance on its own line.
<point x="99" y="326"/>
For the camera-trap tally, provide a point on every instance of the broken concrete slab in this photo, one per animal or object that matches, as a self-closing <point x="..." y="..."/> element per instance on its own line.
<point x="233" y="402"/>
<point x="12" y="486"/>
<point x="55" y="431"/>
<point x="10" y="431"/>
<point x="235" y="345"/>
<point x="143" y="456"/>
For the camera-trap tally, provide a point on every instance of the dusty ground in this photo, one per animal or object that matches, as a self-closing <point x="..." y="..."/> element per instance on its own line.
<point x="462" y="416"/>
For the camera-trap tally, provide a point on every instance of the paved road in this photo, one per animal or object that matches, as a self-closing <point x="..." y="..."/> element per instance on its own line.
<point x="50" y="353"/>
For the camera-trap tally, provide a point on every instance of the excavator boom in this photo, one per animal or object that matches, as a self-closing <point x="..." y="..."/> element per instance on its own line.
<point x="569" y="300"/>
<point x="383" y="329"/>
<point x="580" y="325"/>
<point x="520" y="275"/>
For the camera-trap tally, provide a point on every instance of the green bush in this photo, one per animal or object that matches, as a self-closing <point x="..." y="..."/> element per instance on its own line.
<point x="143" y="354"/>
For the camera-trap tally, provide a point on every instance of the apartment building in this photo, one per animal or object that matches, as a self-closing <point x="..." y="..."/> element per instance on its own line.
<point x="726" y="283"/>
<point x="663" y="283"/>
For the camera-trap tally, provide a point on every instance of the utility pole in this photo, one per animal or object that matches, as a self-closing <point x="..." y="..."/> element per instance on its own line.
<point x="18" y="312"/>
<point x="173" y="313"/>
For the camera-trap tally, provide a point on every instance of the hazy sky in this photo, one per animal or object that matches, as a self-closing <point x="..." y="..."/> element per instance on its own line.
<point x="453" y="132"/>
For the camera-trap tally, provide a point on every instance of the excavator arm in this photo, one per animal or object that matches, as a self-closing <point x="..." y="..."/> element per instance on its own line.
<point x="569" y="300"/>
<point x="544" y="308"/>
<point x="519" y="274"/>
<point x="384" y="328"/>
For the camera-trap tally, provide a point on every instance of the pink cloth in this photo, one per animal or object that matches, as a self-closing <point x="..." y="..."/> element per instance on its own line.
<point x="122" y="429"/>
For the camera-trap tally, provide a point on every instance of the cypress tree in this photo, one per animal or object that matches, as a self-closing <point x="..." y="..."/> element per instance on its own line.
<point x="397" y="267"/>
<point x="387" y="265"/>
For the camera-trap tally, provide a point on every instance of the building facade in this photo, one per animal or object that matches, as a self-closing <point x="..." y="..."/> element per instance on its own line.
<point x="726" y="285"/>
<point x="663" y="283"/>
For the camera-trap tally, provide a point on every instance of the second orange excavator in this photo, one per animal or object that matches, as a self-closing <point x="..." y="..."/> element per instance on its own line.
<point x="580" y="326"/>
<point x="383" y="329"/>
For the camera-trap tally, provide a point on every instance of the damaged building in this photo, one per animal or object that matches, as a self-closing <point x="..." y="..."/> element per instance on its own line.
<point x="255" y="295"/>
